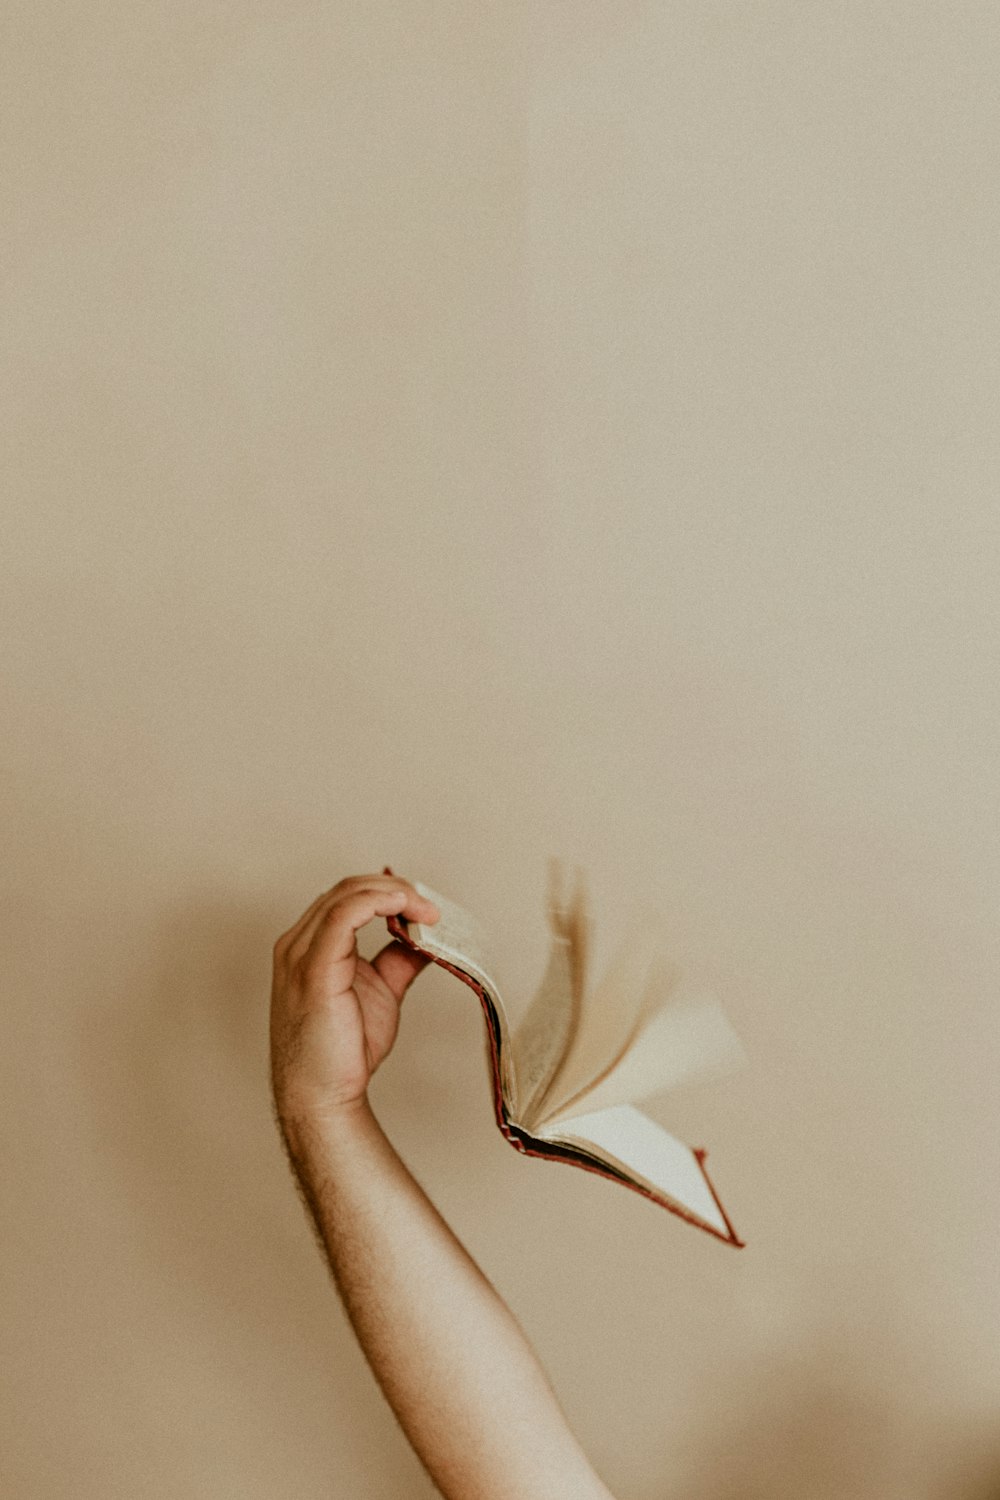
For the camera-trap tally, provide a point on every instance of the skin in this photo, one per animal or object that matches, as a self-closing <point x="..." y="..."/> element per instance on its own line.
<point x="446" y="1350"/>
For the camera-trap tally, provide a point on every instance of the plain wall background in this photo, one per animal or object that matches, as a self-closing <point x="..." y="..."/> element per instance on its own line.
<point x="450" y="435"/>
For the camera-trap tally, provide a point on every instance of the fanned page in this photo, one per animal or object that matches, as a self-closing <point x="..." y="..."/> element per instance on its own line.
<point x="683" y="1037"/>
<point x="552" y="1019"/>
<point x="610" y="1017"/>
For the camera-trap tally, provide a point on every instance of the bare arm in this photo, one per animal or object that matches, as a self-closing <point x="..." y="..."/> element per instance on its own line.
<point x="449" y="1355"/>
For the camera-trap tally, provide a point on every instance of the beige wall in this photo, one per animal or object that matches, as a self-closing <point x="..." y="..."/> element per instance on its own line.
<point x="450" y="435"/>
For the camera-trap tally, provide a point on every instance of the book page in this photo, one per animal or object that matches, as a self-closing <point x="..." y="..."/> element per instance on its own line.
<point x="646" y="1152"/>
<point x="686" y="1040"/>
<point x="610" y="1016"/>
<point x="551" y="1020"/>
<point x="459" y="939"/>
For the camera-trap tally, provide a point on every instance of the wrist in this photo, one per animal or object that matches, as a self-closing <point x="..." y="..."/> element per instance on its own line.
<point x="315" y="1127"/>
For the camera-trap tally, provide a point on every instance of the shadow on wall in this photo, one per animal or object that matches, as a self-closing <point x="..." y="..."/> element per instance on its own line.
<point x="806" y="1427"/>
<point x="973" y="1464"/>
<point x="181" y="1110"/>
<point x="830" y="1422"/>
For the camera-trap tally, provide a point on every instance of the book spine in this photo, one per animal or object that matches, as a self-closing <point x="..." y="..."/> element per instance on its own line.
<point x="399" y="931"/>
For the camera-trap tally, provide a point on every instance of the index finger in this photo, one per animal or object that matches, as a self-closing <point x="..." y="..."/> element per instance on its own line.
<point x="331" y="938"/>
<point x="309" y="923"/>
<point x="298" y="935"/>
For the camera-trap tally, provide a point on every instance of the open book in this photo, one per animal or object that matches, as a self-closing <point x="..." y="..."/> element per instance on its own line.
<point x="567" y="1077"/>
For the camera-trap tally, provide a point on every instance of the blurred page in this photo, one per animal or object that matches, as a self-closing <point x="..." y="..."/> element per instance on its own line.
<point x="610" y="1018"/>
<point x="551" y="1020"/>
<point x="687" y="1040"/>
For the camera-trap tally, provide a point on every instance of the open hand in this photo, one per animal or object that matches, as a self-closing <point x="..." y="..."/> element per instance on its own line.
<point x="334" y="1016"/>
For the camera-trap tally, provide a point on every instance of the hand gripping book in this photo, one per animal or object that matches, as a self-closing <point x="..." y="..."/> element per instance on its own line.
<point x="568" y="1076"/>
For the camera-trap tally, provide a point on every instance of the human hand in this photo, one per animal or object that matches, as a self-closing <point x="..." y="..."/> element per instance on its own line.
<point x="334" y="1016"/>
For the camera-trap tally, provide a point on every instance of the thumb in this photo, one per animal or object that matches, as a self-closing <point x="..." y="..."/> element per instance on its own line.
<point x="398" y="965"/>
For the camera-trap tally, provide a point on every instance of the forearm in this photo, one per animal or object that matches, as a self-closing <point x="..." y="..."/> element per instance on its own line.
<point x="449" y="1355"/>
